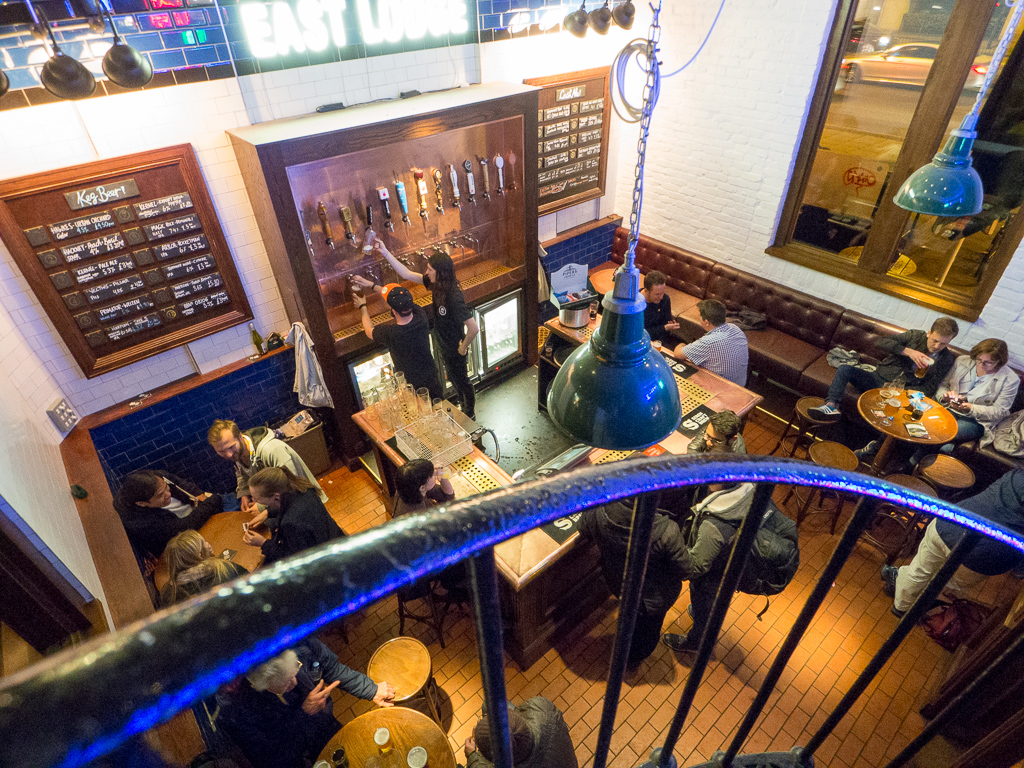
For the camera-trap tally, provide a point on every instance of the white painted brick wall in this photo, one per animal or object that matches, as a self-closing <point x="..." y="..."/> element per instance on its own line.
<point x="723" y="141"/>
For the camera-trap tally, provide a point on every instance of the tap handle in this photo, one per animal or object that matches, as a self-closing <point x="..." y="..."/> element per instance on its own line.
<point x="487" y="177"/>
<point x="321" y="212"/>
<point x="346" y="222"/>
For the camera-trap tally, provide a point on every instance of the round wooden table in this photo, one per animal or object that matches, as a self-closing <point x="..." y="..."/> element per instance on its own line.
<point x="409" y="729"/>
<point x="939" y="422"/>
<point x="603" y="281"/>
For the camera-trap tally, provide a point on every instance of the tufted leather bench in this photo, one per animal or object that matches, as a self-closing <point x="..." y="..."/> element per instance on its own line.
<point x="686" y="273"/>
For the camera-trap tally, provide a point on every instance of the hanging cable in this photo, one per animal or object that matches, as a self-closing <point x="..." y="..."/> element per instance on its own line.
<point x="640" y="49"/>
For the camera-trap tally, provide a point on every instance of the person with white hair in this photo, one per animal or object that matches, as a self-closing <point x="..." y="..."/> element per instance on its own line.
<point x="281" y="714"/>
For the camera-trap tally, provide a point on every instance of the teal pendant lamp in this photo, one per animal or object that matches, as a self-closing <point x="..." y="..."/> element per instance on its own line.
<point x="949" y="186"/>
<point x="616" y="391"/>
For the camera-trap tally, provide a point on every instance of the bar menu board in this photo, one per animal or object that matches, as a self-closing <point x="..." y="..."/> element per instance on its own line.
<point x="573" y="116"/>
<point x="126" y="255"/>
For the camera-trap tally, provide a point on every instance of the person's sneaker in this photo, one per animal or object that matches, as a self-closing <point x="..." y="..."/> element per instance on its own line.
<point x="826" y="411"/>
<point x="889" y="574"/>
<point x="679" y="643"/>
<point x="897" y="612"/>
<point x="868" y="450"/>
<point x="689" y="610"/>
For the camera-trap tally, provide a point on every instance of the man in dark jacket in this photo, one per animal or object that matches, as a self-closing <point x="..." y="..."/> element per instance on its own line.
<point x="907" y="352"/>
<point x="155" y="506"/>
<point x="1002" y="503"/>
<point x="281" y="714"/>
<point x="668" y="564"/>
<point x="540" y="738"/>
<point x="708" y="543"/>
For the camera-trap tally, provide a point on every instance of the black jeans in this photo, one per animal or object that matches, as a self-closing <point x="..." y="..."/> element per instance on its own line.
<point x="646" y="634"/>
<point x="458" y="375"/>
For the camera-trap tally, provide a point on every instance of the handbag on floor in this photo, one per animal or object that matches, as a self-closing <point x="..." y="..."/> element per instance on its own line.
<point x="951" y="624"/>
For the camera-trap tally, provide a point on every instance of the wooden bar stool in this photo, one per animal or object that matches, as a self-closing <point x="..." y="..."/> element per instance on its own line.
<point x="950" y="477"/>
<point x="435" y="606"/>
<point x="806" y="426"/>
<point x="825" y="454"/>
<point x="895" y="531"/>
<point x="405" y="663"/>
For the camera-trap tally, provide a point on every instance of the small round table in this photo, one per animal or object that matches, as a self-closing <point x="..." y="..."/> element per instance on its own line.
<point x="405" y="663"/>
<point x="603" y="280"/>
<point x="939" y="422"/>
<point x="409" y="729"/>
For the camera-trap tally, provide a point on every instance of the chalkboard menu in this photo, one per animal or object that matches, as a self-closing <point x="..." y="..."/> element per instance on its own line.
<point x="573" y="116"/>
<point x="126" y="255"/>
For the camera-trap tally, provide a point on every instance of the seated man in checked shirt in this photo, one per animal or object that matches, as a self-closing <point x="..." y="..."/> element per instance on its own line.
<point x="723" y="347"/>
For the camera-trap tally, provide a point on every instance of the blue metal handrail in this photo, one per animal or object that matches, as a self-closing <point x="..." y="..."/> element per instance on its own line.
<point x="91" y="698"/>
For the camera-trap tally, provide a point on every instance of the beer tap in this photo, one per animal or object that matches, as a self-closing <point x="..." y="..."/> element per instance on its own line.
<point x="470" y="181"/>
<point x="511" y="171"/>
<point x="487" y="178"/>
<point x="456" y="196"/>
<point x="370" y="235"/>
<point x="346" y="222"/>
<point x="499" y="163"/>
<point x="321" y="212"/>
<point x="403" y="201"/>
<point x="382" y="194"/>
<point x="421" y="193"/>
<point x="438" y="192"/>
<point x="353" y="287"/>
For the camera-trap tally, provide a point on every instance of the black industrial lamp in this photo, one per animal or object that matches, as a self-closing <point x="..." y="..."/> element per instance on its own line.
<point x="124" y="65"/>
<point x="616" y="391"/>
<point x="576" y="22"/>
<point x="624" y="14"/>
<point x="5" y="83"/>
<point x="600" y="19"/>
<point x="62" y="75"/>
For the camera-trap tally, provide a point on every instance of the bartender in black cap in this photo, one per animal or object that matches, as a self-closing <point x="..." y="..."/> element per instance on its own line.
<point x="408" y="340"/>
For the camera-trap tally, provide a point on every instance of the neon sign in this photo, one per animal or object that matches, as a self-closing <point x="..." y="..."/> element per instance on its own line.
<point x="279" y="28"/>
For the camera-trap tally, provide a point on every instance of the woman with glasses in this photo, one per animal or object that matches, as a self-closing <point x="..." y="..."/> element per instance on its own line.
<point x="979" y="391"/>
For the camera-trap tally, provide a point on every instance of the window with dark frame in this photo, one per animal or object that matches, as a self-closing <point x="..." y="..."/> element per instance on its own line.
<point x="896" y="79"/>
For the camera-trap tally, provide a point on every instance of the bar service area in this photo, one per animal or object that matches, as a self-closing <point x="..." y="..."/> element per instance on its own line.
<point x="280" y="276"/>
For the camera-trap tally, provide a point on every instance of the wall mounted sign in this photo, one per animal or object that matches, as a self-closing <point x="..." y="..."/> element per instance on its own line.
<point x="574" y="117"/>
<point x="281" y="28"/>
<point x="106" y="296"/>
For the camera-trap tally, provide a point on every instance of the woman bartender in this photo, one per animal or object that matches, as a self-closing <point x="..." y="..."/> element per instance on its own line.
<point x="453" y="320"/>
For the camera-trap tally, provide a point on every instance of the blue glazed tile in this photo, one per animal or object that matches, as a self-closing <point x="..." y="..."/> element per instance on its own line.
<point x="500" y="6"/>
<point x="23" y="78"/>
<point x="483" y="6"/>
<point x="214" y="35"/>
<point x="168" y="59"/>
<point x="178" y="39"/>
<point x="223" y="53"/>
<point x="235" y="32"/>
<point x="203" y="55"/>
<point x="146" y="42"/>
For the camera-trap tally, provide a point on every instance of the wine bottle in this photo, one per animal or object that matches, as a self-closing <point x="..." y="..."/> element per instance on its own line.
<point x="257" y="340"/>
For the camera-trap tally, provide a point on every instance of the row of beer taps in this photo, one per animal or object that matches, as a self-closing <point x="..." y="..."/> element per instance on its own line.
<point x="453" y="191"/>
<point x="414" y="260"/>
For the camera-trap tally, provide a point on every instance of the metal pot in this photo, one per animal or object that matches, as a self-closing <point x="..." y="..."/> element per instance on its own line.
<point x="575" y="317"/>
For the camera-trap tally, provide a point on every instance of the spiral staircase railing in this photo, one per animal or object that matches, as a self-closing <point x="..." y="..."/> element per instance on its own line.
<point x="89" y="700"/>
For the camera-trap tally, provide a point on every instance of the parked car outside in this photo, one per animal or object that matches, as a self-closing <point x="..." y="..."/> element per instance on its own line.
<point x="906" y="64"/>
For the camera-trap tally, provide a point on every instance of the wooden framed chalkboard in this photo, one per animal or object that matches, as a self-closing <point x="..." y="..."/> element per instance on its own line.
<point x="573" y="116"/>
<point x="126" y="255"/>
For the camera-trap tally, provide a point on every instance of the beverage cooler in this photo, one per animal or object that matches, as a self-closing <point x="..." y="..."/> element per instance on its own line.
<point x="498" y="345"/>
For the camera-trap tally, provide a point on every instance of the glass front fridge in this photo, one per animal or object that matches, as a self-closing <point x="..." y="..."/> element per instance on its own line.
<point x="365" y="373"/>
<point x="500" y="342"/>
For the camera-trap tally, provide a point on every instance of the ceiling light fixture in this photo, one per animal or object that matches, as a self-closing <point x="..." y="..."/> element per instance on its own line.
<point x="124" y="65"/>
<point x="62" y="75"/>
<point x="624" y="15"/>
<point x="600" y="19"/>
<point x="616" y="391"/>
<point x="576" y="22"/>
<point x="949" y="186"/>
<point x="5" y="83"/>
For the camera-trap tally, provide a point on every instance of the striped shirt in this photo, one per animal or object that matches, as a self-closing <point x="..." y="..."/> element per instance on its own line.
<point x="722" y="350"/>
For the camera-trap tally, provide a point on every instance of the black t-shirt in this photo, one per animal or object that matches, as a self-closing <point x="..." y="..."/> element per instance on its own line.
<point x="449" y="317"/>
<point x="409" y="346"/>
<point x="656" y="317"/>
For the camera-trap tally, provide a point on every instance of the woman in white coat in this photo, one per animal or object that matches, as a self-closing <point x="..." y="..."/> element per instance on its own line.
<point x="979" y="391"/>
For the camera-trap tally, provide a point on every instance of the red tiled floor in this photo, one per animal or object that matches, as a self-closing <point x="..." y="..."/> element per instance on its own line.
<point x="852" y="624"/>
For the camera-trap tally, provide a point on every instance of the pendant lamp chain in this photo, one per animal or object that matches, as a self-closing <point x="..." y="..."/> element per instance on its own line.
<point x="651" y="89"/>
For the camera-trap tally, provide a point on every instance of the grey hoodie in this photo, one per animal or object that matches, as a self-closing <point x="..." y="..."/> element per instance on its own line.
<point x="705" y="540"/>
<point x="268" y="451"/>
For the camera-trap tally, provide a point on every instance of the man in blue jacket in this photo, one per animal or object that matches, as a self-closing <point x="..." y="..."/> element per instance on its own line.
<point x="1002" y="503"/>
<point x="281" y="714"/>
